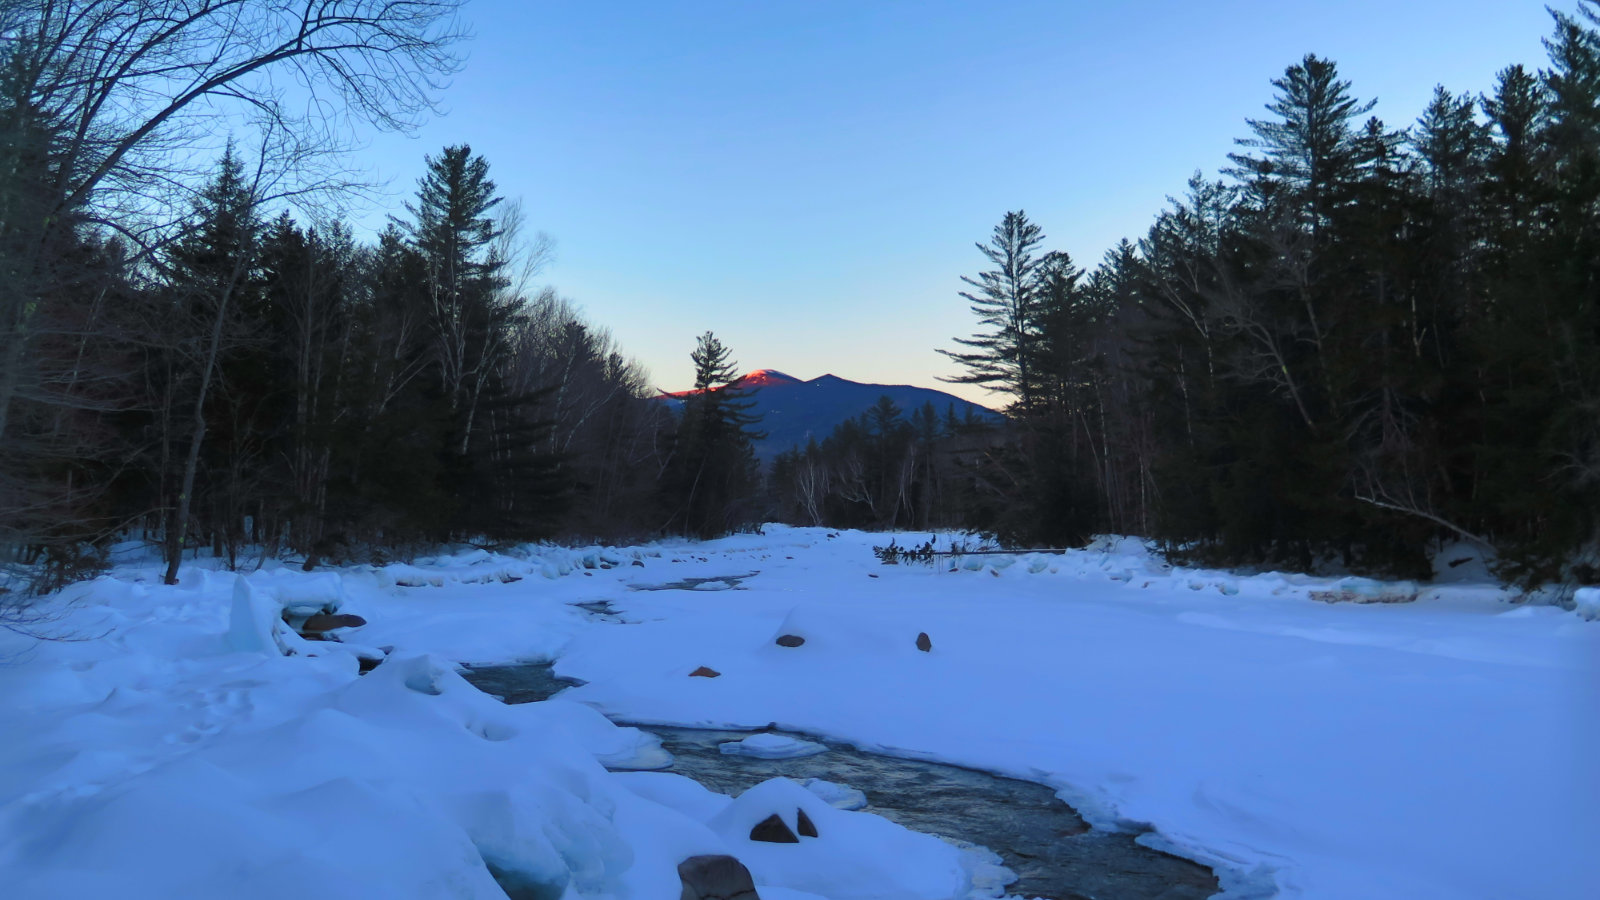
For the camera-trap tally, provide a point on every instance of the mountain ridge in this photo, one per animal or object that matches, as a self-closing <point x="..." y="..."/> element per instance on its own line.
<point x="794" y="411"/>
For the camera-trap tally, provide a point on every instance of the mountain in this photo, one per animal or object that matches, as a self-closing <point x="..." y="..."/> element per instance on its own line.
<point x="793" y="411"/>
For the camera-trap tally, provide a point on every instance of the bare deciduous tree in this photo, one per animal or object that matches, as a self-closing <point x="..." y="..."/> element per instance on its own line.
<point x="131" y="89"/>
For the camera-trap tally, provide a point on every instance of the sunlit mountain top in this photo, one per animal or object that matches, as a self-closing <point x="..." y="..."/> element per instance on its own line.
<point x="794" y="411"/>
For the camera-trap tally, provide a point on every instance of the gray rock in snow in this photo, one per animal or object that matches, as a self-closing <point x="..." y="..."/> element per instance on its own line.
<point x="718" y="877"/>
<point x="773" y="830"/>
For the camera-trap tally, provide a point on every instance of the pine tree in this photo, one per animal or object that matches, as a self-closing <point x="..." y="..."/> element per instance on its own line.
<point x="1307" y="150"/>
<point x="1006" y="301"/>
<point x="714" y="476"/>
<point x="212" y="271"/>
<point x="453" y="230"/>
<point x="68" y="331"/>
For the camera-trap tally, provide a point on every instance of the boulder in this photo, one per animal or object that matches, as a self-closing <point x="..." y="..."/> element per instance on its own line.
<point x="773" y="830"/>
<point x="924" y="643"/>
<point x="704" y="672"/>
<point x="790" y="640"/>
<point x="805" y="826"/>
<point x="322" y="622"/>
<point x="717" y="877"/>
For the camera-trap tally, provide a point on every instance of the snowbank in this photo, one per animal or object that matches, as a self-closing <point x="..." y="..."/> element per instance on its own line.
<point x="1308" y="736"/>
<point x="1306" y="741"/>
<point x="186" y="742"/>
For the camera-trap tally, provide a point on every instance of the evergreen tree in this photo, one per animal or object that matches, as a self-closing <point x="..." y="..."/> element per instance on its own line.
<point x="453" y="230"/>
<point x="1006" y="301"/>
<point x="1307" y="150"/>
<point x="213" y="272"/>
<point x="69" y="345"/>
<point x="714" y="475"/>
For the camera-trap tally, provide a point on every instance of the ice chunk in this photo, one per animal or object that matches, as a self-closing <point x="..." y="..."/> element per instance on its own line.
<point x="838" y="796"/>
<point x="253" y="620"/>
<point x="1588" y="603"/>
<point x="772" y="746"/>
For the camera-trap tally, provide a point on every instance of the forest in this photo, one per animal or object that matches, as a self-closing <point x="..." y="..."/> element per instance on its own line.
<point x="196" y="350"/>
<point x="1355" y="342"/>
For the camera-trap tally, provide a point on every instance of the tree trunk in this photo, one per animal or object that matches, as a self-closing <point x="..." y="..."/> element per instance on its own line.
<point x="175" y="537"/>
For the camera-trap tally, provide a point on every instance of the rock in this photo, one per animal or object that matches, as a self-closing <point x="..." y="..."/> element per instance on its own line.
<point x="773" y="830"/>
<point x="639" y="563"/>
<point x="322" y="622"/>
<point x="718" y="877"/>
<point x="790" y="640"/>
<point x="924" y="643"/>
<point x="805" y="825"/>
<point x="704" y="672"/>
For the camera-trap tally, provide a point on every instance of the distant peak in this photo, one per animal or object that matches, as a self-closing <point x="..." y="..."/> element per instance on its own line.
<point x="760" y="378"/>
<point x="766" y="378"/>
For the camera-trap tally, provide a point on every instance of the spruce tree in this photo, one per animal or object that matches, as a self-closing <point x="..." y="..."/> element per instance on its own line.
<point x="1307" y="150"/>
<point x="453" y="228"/>
<point x="213" y="273"/>
<point x="714" y="474"/>
<point x="1006" y="301"/>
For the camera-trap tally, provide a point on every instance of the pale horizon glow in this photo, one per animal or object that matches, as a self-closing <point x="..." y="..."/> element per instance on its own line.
<point x="807" y="180"/>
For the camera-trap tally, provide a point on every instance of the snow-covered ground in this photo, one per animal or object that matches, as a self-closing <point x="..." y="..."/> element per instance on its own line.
<point x="1447" y="747"/>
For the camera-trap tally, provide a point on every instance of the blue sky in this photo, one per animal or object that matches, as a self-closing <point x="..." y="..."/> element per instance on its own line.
<point x="807" y="179"/>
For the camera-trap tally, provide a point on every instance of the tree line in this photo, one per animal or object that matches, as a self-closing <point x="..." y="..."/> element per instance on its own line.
<point x="195" y="350"/>
<point x="887" y="468"/>
<point x="1355" y="343"/>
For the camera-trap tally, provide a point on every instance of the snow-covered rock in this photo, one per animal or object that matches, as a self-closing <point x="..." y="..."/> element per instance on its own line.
<point x="853" y="855"/>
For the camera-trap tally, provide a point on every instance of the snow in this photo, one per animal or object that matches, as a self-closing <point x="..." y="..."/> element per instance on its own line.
<point x="854" y="855"/>
<point x="1441" y="747"/>
<point x="838" y="796"/>
<point x="772" y="746"/>
<point x="1588" y="603"/>
<point x="1286" y="729"/>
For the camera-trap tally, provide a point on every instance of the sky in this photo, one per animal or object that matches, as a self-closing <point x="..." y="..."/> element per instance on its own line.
<point x="808" y="179"/>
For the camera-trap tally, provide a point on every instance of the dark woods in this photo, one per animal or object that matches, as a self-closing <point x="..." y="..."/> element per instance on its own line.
<point x="286" y="387"/>
<point x="184" y="360"/>
<point x="1359" y="342"/>
<point x="892" y="469"/>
